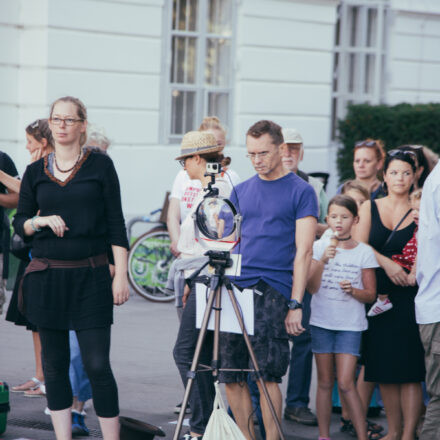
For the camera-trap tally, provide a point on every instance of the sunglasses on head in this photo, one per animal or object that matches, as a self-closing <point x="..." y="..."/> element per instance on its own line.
<point x="397" y="152"/>
<point x="364" y="144"/>
<point x="35" y="124"/>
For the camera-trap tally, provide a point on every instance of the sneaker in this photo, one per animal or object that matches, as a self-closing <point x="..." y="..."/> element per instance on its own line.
<point x="178" y="407"/>
<point x="380" y="307"/>
<point x="300" y="414"/>
<point x="187" y="436"/>
<point x="79" y="428"/>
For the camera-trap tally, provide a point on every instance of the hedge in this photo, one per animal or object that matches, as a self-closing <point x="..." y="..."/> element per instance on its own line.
<point x="394" y="125"/>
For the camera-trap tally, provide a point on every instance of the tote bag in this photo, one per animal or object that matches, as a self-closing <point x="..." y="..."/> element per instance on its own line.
<point x="220" y="425"/>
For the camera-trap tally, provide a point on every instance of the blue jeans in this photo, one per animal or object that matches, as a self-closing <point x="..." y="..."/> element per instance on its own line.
<point x="79" y="380"/>
<point x="300" y="370"/>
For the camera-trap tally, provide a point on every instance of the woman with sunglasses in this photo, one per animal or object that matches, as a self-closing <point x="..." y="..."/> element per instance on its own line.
<point x="368" y="161"/>
<point x="392" y="350"/>
<point x="39" y="144"/>
<point x="70" y="205"/>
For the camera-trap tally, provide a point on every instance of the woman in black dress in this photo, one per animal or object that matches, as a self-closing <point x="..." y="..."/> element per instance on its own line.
<point x="392" y="349"/>
<point x="67" y="285"/>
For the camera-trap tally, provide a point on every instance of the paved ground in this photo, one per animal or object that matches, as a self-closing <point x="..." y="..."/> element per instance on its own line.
<point x="149" y="386"/>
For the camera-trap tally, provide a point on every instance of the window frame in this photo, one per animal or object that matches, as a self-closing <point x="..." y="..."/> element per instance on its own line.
<point x="200" y="87"/>
<point x="341" y="95"/>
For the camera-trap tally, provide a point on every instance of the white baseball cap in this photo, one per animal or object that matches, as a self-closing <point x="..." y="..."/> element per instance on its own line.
<point x="292" y="136"/>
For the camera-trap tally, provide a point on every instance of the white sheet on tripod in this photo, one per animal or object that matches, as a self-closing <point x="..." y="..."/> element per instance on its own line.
<point x="228" y="319"/>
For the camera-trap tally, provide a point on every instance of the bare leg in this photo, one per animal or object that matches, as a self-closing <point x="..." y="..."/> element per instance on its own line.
<point x="37" y="351"/>
<point x="240" y="402"/>
<point x="346" y="367"/>
<point x="109" y="427"/>
<point x="62" y="423"/>
<point x="326" y="380"/>
<point x="77" y="405"/>
<point x="411" y="400"/>
<point x="365" y="390"/>
<point x="277" y="400"/>
<point x="391" y="399"/>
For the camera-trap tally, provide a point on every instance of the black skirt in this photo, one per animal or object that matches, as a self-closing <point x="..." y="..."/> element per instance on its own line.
<point x="69" y="299"/>
<point x="13" y="314"/>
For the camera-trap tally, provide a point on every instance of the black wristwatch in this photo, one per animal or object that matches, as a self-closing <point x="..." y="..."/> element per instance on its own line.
<point x="294" y="304"/>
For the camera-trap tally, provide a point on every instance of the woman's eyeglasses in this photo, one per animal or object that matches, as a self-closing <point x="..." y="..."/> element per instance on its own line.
<point x="67" y="121"/>
<point x="182" y="161"/>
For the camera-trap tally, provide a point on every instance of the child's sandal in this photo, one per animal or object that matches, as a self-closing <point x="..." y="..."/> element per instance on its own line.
<point x="347" y="427"/>
<point x="374" y="427"/>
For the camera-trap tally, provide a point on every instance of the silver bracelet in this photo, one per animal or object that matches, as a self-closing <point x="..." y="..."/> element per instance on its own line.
<point x="34" y="228"/>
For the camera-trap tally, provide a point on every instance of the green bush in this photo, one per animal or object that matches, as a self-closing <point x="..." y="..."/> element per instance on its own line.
<point x="394" y="125"/>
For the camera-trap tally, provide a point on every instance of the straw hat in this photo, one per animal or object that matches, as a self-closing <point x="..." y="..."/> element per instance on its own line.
<point x="198" y="142"/>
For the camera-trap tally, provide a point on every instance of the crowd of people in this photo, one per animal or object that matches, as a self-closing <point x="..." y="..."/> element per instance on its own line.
<point x="337" y="277"/>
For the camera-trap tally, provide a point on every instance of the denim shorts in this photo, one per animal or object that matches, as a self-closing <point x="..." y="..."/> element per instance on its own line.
<point x="335" y="341"/>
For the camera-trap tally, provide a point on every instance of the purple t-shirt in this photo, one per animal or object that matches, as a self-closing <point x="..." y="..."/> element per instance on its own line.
<point x="270" y="209"/>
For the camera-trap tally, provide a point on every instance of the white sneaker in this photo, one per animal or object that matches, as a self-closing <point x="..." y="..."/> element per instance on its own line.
<point x="380" y="307"/>
<point x="47" y="411"/>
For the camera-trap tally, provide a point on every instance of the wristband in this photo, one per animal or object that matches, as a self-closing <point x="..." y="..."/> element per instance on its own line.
<point x="34" y="228"/>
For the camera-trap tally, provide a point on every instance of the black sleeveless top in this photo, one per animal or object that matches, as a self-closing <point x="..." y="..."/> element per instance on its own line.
<point x="392" y="349"/>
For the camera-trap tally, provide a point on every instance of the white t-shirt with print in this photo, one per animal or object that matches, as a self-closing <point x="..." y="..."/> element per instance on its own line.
<point x="187" y="190"/>
<point x="332" y="308"/>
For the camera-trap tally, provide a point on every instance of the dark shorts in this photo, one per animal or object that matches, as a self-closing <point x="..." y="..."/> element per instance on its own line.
<point x="270" y="341"/>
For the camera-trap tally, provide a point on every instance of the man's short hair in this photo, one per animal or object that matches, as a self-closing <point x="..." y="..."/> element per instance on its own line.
<point x="271" y="128"/>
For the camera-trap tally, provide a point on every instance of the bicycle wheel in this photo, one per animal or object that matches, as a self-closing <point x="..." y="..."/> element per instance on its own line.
<point x="149" y="260"/>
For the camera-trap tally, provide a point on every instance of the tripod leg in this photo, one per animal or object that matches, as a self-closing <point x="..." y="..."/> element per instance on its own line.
<point x="215" y="351"/>
<point x="254" y="359"/>
<point x="193" y="370"/>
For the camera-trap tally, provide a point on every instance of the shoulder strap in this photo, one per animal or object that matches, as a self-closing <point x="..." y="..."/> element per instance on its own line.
<point x="395" y="229"/>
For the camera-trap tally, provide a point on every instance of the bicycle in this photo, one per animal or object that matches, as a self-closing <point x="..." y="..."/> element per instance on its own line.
<point x="150" y="258"/>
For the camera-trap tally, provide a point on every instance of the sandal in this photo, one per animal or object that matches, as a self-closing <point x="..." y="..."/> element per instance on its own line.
<point x="30" y="384"/>
<point x="374" y="427"/>
<point x="40" y="391"/>
<point x="347" y="427"/>
<point x="374" y="435"/>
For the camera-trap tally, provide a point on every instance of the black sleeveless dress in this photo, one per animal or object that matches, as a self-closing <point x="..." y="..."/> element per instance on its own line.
<point x="392" y="348"/>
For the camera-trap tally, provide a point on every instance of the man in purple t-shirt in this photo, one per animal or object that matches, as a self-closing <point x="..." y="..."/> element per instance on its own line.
<point x="279" y="212"/>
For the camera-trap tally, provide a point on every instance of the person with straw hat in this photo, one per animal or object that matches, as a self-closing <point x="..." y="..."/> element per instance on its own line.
<point x="184" y="190"/>
<point x="197" y="149"/>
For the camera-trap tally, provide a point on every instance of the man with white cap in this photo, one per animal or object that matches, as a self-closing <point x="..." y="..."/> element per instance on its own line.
<point x="300" y="369"/>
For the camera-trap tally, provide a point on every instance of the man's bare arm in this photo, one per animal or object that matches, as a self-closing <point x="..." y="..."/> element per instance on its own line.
<point x="304" y="237"/>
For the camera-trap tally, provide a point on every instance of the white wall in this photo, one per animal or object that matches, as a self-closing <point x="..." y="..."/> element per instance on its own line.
<point x="109" y="53"/>
<point x="414" y="55"/>
<point x="284" y="69"/>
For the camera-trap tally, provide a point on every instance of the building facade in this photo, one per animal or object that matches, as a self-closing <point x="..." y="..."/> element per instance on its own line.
<point x="149" y="70"/>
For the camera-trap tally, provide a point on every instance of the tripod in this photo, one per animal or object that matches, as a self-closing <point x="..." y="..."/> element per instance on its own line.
<point x="220" y="261"/>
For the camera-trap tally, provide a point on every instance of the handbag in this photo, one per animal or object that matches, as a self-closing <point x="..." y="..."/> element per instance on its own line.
<point x="19" y="248"/>
<point x="220" y="425"/>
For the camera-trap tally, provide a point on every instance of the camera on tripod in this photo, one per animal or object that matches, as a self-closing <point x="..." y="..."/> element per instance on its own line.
<point x="213" y="168"/>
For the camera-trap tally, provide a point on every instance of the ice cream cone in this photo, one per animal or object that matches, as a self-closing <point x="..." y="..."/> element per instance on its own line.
<point x="334" y="239"/>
